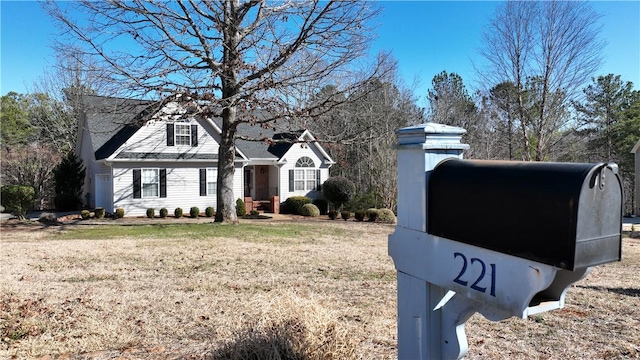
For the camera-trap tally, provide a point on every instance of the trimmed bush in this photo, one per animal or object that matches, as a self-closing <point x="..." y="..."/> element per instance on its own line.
<point x="386" y="216"/>
<point x="209" y="211"/>
<point x="294" y="204"/>
<point x="333" y="214"/>
<point x="177" y="213"/>
<point x="360" y="215"/>
<point x="194" y="212"/>
<point x="345" y="215"/>
<point x="254" y="212"/>
<point x="338" y="190"/>
<point x="99" y="213"/>
<point x="240" y="209"/>
<point x="119" y="213"/>
<point x="164" y="213"/>
<point x="85" y="214"/>
<point x="309" y="210"/>
<point x="151" y="213"/>
<point x="18" y="199"/>
<point x="372" y="214"/>
<point x="322" y="204"/>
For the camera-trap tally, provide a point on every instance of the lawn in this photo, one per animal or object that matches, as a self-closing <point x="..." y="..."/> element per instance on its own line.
<point x="205" y="291"/>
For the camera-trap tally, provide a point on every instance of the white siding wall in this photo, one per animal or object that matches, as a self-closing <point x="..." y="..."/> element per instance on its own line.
<point x="291" y="157"/>
<point x="152" y="138"/>
<point x="91" y="168"/>
<point x="183" y="188"/>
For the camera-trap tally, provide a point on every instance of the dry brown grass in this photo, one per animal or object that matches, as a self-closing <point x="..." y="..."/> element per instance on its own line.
<point x="325" y="297"/>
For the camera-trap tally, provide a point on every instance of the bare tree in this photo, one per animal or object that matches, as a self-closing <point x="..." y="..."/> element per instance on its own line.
<point x="31" y="165"/>
<point x="362" y="134"/>
<point x="224" y="57"/>
<point x="545" y="49"/>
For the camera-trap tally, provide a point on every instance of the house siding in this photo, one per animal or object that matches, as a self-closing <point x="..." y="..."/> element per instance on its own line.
<point x="294" y="153"/>
<point x="182" y="184"/>
<point x="152" y="138"/>
<point x="92" y="168"/>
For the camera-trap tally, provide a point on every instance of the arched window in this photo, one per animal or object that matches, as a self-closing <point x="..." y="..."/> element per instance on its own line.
<point x="305" y="161"/>
<point x="305" y="179"/>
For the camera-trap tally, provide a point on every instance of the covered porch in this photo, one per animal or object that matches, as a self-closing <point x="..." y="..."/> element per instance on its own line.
<point x="261" y="188"/>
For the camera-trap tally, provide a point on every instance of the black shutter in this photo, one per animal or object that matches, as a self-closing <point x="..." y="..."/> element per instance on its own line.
<point x="163" y="183"/>
<point x="203" y="182"/>
<point x="291" y="187"/>
<point x="170" y="134"/>
<point x="194" y="135"/>
<point x="137" y="184"/>
<point x="318" y="183"/>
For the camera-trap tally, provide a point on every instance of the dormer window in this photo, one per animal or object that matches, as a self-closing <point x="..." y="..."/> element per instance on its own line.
<point x="182" y="134"/>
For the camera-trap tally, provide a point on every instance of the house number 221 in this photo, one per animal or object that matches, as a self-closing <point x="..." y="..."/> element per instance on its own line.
<point x="478" y="280"/>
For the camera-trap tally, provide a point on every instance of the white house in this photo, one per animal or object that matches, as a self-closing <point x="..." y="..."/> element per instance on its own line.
<point x="142" y="154"/>
<point x="636" y="202"/>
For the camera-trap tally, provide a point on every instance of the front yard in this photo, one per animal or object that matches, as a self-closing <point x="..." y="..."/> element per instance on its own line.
<point x="204" y="291"/>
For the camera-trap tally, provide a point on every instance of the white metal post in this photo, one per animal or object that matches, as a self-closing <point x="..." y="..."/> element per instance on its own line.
<point x="420" y="149"/>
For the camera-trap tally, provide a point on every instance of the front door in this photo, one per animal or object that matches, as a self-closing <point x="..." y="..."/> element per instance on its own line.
<point x="262" y="182"/>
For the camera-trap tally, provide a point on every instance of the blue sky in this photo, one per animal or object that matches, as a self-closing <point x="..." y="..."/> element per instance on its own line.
<point x="426" y="37"/>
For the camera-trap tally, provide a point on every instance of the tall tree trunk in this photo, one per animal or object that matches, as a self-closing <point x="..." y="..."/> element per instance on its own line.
<point x="226" y="211"/>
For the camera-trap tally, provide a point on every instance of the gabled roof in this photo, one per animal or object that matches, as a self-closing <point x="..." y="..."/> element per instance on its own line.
<point x="112" y="121"/>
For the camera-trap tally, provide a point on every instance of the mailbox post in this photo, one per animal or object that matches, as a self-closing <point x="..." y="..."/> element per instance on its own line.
<point x="446" y="275"/>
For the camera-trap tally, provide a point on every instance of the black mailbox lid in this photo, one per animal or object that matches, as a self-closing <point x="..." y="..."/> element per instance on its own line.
<point x="529" y="209"/>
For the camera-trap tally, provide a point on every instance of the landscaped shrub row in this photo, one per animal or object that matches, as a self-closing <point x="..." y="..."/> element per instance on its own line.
<point x="381" y="215"/>
<point x="194" y="212"/>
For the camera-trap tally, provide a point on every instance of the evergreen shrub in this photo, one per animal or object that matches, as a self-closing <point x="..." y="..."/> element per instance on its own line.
<point x="360" y="215"/>
<point x="322" y="204"/>
<point x="345" y="215"/>
<point x="363" y="201"/>
<point x="69" y="178"/>
<point x="240" y="209"/>
<point x="177" y="213"/>
<point x="294" y="204"/>
<point x="151" y="213"/>
<point x="119" y="213"/>
<point x="194" y="212"/>
<point x="386" y="216"/>
<point x="209" y="211"/>
<point x="99" y="213"/>
<point x="372" y="214"/>
<point x="333" y="214"/>
<point x="18" y="199"/>
<point x="338" y="190"/>
<point x="85" y="214"/>
<point x="309" y="210"/>
<point x="164" y="213"/>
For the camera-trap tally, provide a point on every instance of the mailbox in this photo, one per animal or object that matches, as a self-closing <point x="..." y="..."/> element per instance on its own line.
<point x="567" y="215"/>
